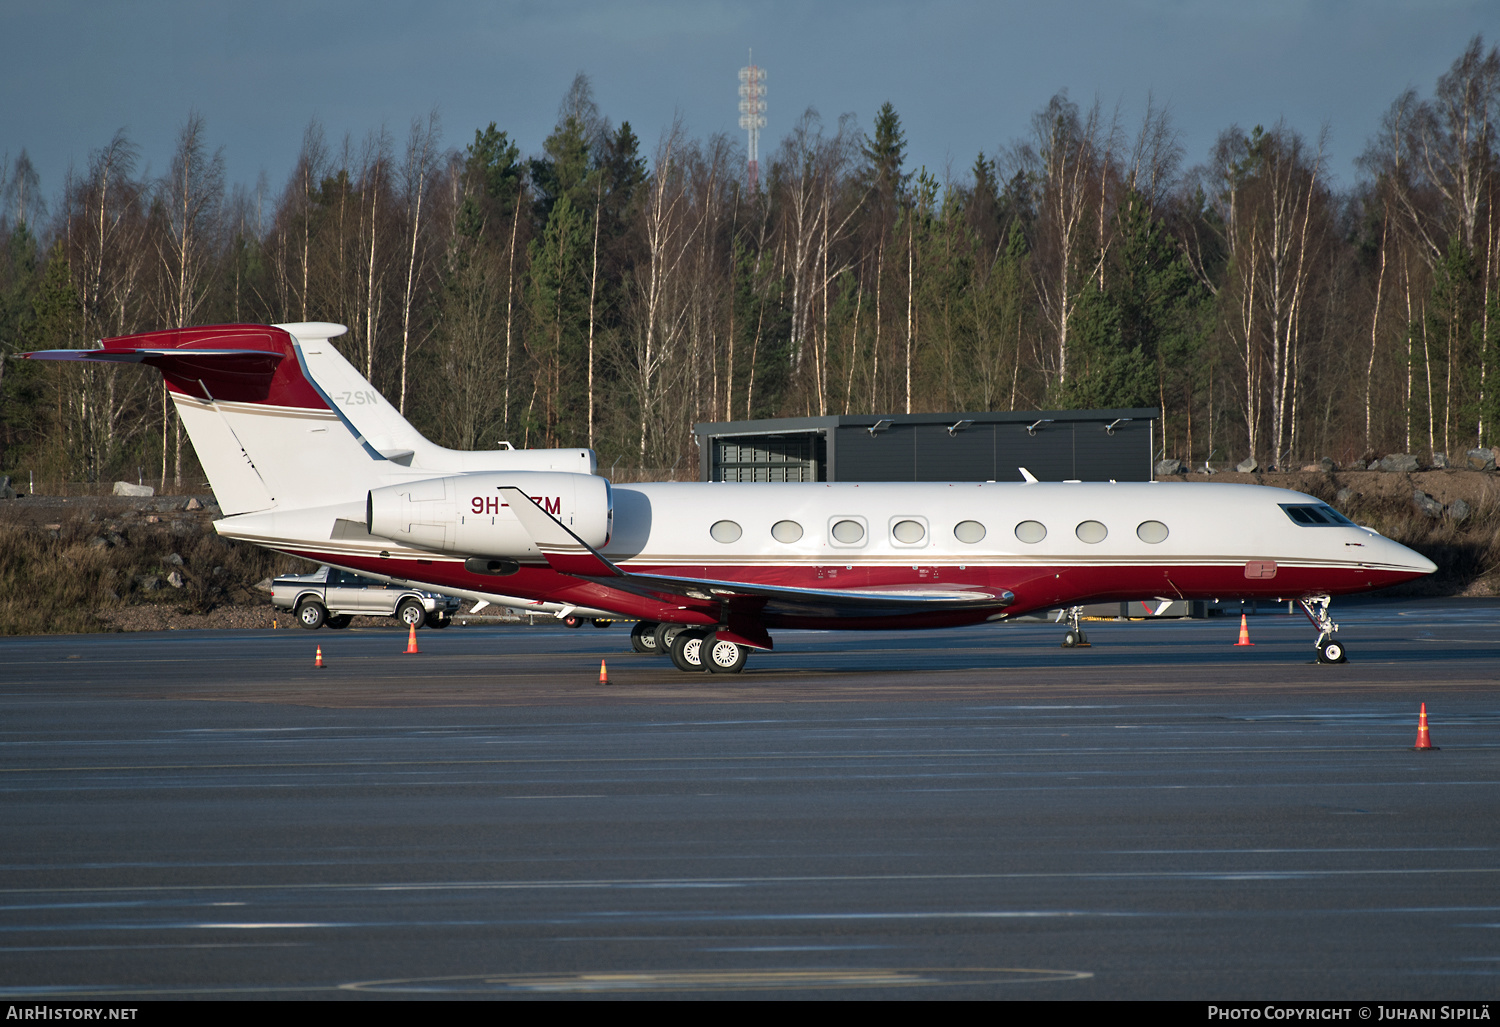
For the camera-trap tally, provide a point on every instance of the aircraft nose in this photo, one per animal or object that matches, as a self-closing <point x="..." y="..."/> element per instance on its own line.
<point x="1409" y="560"/>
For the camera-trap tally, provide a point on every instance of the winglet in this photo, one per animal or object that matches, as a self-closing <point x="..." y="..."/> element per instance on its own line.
<point x="1031" y="479"/>
<point x="566" y="553"/>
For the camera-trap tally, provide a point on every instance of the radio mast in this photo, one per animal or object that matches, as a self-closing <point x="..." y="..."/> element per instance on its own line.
<point x="753" y="114"/>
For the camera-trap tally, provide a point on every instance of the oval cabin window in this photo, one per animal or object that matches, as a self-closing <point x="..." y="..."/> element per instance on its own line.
<point x="848" y="532"/>
<point x="1152" y="531"/>
<point x="909" y="532"/>
<point x="786" y="531"/>
<point x="969" y="531"/>
<point x="725" y="531"/>
<point x="1031" y="531"/>
<point x="1091" y="531"/>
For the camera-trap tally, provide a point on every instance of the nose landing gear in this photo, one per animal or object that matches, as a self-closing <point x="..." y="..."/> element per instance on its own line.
<point x="1330" y="650"/>
<point x="1074" y="638"/>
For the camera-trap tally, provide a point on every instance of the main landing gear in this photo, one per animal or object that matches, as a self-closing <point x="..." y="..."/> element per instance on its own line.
<point x="692" y="649"/>
<point x="1074" y="638"/>
<point x="1330" y="649"/>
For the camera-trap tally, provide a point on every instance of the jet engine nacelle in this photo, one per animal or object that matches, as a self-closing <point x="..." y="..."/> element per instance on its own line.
<point x="466" y="514"/>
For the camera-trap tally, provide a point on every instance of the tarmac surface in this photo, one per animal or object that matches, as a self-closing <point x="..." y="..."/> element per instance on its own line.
<point x="974" y="813"/>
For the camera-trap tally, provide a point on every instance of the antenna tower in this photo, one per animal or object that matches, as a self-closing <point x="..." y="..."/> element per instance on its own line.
<point x="753" y="114"/>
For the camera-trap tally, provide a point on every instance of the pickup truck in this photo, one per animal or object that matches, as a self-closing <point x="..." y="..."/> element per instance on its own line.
<point x="332" y="597"/>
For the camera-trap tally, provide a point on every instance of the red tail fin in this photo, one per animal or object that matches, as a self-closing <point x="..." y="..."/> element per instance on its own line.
<point x="232" y="363"/>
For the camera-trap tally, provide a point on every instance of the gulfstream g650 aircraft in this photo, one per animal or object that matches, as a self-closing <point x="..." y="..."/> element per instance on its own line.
<point x="307" y="458"/>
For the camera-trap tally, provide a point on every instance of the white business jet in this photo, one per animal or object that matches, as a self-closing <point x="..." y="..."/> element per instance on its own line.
<point x="307" y="458"/>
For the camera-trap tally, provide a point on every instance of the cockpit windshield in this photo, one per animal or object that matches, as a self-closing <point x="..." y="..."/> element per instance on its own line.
<point x="1316" y="515"/>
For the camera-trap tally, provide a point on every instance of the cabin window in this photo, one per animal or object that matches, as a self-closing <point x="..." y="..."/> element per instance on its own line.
<point x="908" y="532"/>
<point x="848" y="532"/>
<point x="725" y="531"/>
<point x="786" y="531"/>
<point x="1316" y="515"/>
<point x="1151" y="531"/>
<point x="970" y="531"/>
<point x="1031" y="531"/>
<point x="1091" y="531"/>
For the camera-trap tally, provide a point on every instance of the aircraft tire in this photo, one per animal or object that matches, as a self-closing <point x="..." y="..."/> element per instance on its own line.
<point x="599" y="622"/>
<point x="665" y="633"/>
<point x="1332" y="652"/>
<point x="643" y="638"/>
<point x="688" y="649"/>
<point x="340" y="622"/>
<point x="724" y="657"/>
<point x="311" y="615"/>
<point x="437" y="623"/>
<point x="1070" y="640"/>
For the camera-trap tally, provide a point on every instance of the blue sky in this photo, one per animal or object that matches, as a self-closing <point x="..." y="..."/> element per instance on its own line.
<point x="965" y="76"/>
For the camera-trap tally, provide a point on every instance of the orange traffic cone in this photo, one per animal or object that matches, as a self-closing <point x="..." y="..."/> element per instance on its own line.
<point x="1424" y="740"/>
<point x="1244" y="632"/>
<point x="318" y="660"/>
<point x="603" y="674"/>
<point x="411" y="641"/>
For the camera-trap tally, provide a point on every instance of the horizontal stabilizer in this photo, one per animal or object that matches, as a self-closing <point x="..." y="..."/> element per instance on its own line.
<point x="217" y="364"/>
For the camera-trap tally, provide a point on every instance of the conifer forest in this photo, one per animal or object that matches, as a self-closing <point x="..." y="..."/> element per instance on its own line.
<point x="623" y="283"/>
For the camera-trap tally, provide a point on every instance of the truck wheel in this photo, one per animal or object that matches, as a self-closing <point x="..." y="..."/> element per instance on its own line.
<point x="411" y="612"/>
<point x="311" y="615"/>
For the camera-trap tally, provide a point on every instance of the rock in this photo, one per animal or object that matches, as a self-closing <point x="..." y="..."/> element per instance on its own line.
<point x="193" y="504"/>
<point x="175" y="560"/>
<point x="1426" y="504"/>
<point x="176" y="580"/>
<point x="265" y="585"/>
<point x="1327" y="465"/>
<point x="147" y="582"/>
<point x="6" y="490"/>
<point x="1344" y="495"/>
<point x="1459" y="511"/>
<point x="152" y="519"/>
<point x="1399" y="463"/>
<point x="1169" y="466"/>
<point x="98" y="542"/>
<point x="1310" y="468"/>
<point x="1247" y="465"/>
<point x="1480" y="459"/>
<point x="1357" y="465"/>
<point x="124" y="488"/>
<point x="1440" y="461"/>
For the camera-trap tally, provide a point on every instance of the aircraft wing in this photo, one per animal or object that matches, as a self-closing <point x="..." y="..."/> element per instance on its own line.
<point x="567" y="554"/>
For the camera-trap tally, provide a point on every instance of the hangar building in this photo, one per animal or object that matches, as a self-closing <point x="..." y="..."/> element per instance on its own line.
<point x="1054" y="445"/>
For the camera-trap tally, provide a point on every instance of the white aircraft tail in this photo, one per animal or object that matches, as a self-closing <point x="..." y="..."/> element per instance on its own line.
<point x="281" y="421"/>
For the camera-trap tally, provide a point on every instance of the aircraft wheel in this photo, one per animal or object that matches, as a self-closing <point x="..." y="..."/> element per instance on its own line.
<point x="1332" y="652"/>
<point x="665" y="633"/>
<point x="688" y="647"/>
<point x="436" y="622"/>
<point x="600" y="622"/>
<point x="725" y="657"/>
<point x="340" y="622"/>
<point x="573" y="622"/>
<point x="311" y="615"/>
<point x="643" y="637"/>
<point x="1070" y="639"/>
